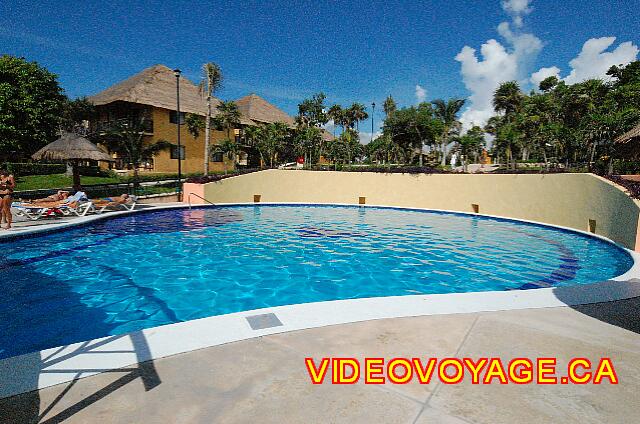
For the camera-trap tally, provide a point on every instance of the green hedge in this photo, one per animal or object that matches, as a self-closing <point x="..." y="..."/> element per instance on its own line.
<point x="626" y="167"/>
<point x="34" y="168"/>
<point x="22" y="169"/>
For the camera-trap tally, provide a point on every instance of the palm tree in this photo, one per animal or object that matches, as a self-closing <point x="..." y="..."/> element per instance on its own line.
<point x="230" y="149"/>
<point x="509" y="100"/>
<point x="447" y="114"/>
<point x="210" y="83"/>
<point x="252" y="135"/>
<point x="335" y="113"/>
<point x="228" y="116"/>
<point x="308" y="143"/>
<point x="357" y="112"/>
<point x="128" y="139"/>
<point x="389" y="106"/>
<point x="470" y="144"/>
<point x="270" y="140"/>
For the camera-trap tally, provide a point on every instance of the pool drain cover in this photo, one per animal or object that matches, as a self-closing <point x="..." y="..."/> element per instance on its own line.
<point x="262" y="321"/>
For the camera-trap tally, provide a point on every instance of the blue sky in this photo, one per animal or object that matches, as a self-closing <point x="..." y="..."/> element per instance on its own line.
<point x="288" y="50"/>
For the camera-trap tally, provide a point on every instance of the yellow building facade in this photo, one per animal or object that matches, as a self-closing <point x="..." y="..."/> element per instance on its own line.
<point x="150" y="97"/>
<point x="193" y="147"/>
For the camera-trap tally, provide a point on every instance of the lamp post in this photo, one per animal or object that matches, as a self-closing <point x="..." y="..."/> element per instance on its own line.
<point x="373" y="110"/>
<point x="177" y="72"/>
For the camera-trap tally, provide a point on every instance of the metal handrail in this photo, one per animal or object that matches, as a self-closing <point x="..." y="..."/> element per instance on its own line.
<point x="198" y="196"/>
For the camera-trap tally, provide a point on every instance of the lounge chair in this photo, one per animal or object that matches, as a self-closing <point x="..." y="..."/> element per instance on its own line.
<point x="35" y="211"/>
<point x="126" y="202"/>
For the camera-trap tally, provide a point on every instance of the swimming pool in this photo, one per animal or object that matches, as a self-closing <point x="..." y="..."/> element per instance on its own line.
<point x="144" y="270"/>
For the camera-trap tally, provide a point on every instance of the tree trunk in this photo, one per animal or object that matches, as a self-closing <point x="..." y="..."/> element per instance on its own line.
<point x="136" y="180"/>
<point x="444" y="147"/>
<point x="207" y="136"/>
<point x="593" y="154"/>
<point x="76" y="175"/>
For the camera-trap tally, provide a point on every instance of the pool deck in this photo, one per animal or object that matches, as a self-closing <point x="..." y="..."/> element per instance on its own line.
<point x="22" y="225"/>
<point x="265" y="380"/>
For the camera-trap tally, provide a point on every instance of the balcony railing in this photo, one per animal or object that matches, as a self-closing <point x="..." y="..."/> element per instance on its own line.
<point x="104" y="126"/>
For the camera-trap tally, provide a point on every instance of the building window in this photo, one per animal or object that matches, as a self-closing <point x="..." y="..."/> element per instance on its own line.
<point x="217" y="157"/>
<point x="173" y="117"/>
<point x="174" y="152"/>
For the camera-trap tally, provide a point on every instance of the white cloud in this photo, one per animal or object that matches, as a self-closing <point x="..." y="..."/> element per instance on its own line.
<point x="365" y="137"/>
<point x="544" y="73"/>
<point x="524" y="45"/>
<point x="498" y="63"/>
<point x="421" y="94"/>
<point x="482" y="77"/>
<point x="516" y="7"/>
<point x="593" y="61"/>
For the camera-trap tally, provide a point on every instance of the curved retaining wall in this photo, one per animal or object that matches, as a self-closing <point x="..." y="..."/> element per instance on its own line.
<point x="570" y="200"/>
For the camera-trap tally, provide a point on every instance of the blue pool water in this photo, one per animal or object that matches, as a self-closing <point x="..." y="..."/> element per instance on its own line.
<point x="129" y="273"/>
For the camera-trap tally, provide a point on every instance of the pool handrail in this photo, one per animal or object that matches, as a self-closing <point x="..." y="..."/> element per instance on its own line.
<point x="198" y="196"/>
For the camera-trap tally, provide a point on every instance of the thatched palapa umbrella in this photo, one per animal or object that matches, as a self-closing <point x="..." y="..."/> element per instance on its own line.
<point x="628" y="144"/>
<point x="72" y="148"/>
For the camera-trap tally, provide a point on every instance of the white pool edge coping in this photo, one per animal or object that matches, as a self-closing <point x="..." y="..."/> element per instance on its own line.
<point x="58" y="365"/>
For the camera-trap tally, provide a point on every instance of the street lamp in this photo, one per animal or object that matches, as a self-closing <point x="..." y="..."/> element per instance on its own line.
<point x="177" y="72"/>
<point x="373" y="110"/>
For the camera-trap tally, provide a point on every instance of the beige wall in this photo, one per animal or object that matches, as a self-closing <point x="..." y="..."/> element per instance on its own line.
<point x="569" y="200"/>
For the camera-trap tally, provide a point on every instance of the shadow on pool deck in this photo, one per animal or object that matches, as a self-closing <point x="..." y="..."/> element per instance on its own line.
<point x="21" y="374"/>
<point x="621" y="313"/>
<point x="27" y="408"/>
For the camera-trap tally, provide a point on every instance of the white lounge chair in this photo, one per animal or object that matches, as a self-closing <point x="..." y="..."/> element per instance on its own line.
<point x="99" y="206"/>
<point x="34" y="211"/>
<point x="30" y="211"/>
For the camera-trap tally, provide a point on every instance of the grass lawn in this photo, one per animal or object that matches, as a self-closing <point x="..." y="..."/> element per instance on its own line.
<point x="35" y="182"/>
<point x="57" y="181"/>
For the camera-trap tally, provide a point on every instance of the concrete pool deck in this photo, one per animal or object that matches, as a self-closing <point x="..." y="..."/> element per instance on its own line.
<point x="265" y="380"/>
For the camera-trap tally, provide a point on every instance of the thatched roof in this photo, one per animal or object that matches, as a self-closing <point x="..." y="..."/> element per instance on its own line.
<point x="69" y="147"/>
<point x="156" y="86"/>
<point x="326" y="135"/>
<point x="629" y="135"/>
<point x="257" y="109"/>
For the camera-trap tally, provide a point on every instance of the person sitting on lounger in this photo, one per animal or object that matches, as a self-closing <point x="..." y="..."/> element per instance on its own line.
<point x="80" y="196"/>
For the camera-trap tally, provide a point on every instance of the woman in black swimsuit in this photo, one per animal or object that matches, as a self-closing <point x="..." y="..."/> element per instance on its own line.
<point x="7" y="184"/>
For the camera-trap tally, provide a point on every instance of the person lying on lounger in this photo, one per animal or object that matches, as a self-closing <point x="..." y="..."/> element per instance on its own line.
<point x="123" y="198"/>
<point x="71" y="201"/>
<point x="109" y="202"/>
<point x="59" y="196"/>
